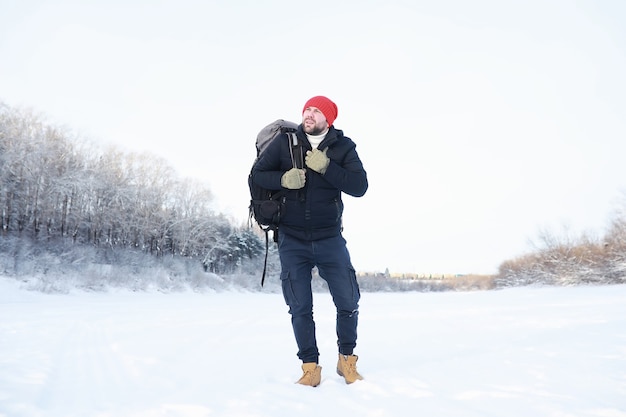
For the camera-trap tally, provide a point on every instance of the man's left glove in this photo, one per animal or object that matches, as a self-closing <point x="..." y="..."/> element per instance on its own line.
<point x="317" y="160"/>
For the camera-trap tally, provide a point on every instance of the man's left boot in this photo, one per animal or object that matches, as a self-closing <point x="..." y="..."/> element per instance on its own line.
<point x="346" y="367"/>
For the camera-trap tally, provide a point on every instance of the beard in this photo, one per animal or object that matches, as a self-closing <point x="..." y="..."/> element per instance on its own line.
<point x="315" y="130"/>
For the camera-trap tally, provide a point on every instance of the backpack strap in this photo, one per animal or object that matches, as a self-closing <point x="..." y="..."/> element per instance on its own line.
<point x="294" y="147"/>
<point x="265" y="262"/>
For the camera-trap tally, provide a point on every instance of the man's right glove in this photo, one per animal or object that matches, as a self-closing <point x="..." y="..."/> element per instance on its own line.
<point x="293" y="179"/>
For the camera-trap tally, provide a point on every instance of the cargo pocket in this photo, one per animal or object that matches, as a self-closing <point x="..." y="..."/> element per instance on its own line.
<point x="356" y="292"/>
<point x="288" y="294"/>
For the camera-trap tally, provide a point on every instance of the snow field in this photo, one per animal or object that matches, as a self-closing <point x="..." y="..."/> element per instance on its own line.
<point x="516" y="352"/>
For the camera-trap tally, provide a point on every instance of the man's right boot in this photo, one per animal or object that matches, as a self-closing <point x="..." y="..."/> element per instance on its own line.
<point x="311" y="374"/>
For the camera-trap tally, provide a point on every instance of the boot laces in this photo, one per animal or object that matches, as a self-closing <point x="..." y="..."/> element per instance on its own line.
<point x="350" y="365"/>
<point x="308" y="376"/>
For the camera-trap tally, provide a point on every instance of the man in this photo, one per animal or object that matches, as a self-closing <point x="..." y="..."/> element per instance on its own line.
<point x="310" y="230"/>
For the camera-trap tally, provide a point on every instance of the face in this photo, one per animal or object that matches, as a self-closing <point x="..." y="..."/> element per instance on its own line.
<point x="313" y="121"/>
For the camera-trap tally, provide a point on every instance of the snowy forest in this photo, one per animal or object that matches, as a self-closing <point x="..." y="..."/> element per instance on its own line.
<point x="76" y="215"/>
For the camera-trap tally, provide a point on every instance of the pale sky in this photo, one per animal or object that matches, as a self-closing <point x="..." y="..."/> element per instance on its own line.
<point x="480" y="123"/>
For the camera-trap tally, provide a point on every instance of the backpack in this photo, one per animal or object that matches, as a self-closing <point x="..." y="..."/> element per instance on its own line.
<point x="267" y="206"/>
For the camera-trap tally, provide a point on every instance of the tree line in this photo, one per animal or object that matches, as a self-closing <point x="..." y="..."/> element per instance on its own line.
<point x="571" y="260"/>
<point x="64" y="195"/>
<point x="56" y="186"/>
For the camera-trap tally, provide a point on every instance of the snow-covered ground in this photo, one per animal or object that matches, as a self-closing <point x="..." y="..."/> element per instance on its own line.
<point x="524" y="352"/>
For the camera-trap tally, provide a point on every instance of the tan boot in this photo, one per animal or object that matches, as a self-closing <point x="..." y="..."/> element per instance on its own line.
<point x="346" y="367"/>
<point x="312" y="374"/>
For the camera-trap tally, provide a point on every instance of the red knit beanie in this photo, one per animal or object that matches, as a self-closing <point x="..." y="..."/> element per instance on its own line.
<point x="327" y="107"/>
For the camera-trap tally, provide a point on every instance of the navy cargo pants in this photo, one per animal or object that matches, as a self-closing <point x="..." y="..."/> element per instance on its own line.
<point x="331" y="256"/>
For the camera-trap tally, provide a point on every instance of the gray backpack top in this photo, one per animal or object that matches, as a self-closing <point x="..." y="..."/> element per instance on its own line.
<point x="271" y="131"/>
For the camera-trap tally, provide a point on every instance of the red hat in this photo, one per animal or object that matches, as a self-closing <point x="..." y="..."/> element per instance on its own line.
<point x="327" y="107"/>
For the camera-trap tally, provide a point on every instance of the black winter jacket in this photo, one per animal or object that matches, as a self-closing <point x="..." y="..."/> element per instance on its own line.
<point x="313" y="212"/>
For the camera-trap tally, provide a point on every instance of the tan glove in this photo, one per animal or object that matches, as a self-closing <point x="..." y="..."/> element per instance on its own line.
<point x="293" y="179"/>
<point x="317" y="160"/>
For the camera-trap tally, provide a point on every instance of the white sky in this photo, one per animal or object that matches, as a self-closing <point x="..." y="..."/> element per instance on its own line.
<point x="479" y="123"/>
